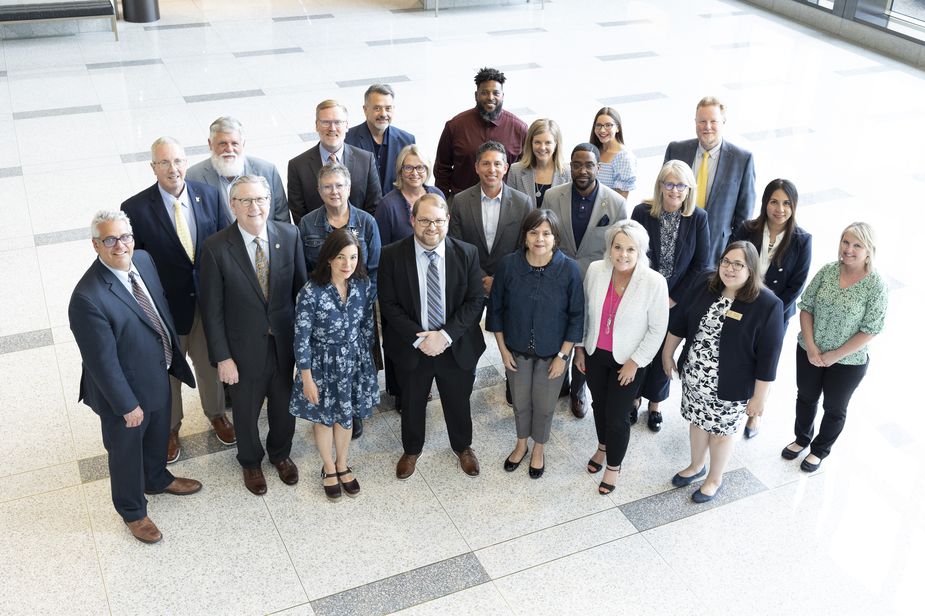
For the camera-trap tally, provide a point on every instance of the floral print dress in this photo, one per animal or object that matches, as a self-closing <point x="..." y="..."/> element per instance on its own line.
<point x="334" y="339"/>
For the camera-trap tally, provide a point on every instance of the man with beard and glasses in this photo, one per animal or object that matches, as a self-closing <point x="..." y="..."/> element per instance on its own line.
<point x="228" y="162"/>
<point x="377" y="135"/>
<point x="454" y="168"/>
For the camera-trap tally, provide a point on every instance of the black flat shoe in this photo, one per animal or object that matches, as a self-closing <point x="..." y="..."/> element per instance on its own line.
<point x="788" y="454"/>
<point x="700" y="498"/>
<point x="511" y="466"/>
<point x="655" y="421"/>
<point x="809" y="467"/>
<point x="332" y="492"/>
<point x="536" y="473"/>
<point x="749" y="433"/>
<point x="605" y="488"/>
<point x="357" y="427"/>
<point x="679" y="480"/>
<point x="352" y="487"/>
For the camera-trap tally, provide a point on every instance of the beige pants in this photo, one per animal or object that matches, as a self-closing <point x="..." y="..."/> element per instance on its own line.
<point x="211" y="393"/>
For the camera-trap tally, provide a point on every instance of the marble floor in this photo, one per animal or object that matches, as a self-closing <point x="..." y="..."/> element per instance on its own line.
<point x="77" y="114"/>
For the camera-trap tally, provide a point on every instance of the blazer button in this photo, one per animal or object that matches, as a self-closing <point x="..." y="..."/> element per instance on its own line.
<point x="780" y="269"/>
<point x="192" y="295"/>
<point x="775" y="282"/>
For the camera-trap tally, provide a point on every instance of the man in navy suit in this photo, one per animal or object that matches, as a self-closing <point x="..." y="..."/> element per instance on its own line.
<point x="729" y="191"/>
<point x="228" y="162"/>
<point x="128" y="346"/>
<point x="377" y="135"/>
<point x="331" y="124"/>
<point x="172" y="219"/>
<point x="431" y="297"/>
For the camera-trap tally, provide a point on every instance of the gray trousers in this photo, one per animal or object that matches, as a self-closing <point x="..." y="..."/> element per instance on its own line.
<point x="534" y="396"/>
<point x="211" y="393"/>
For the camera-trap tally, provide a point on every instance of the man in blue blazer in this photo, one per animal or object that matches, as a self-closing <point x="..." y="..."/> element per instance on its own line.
<point x="228" y="162"/>
<point x="128" y="346"/>
<point x="377" y="135"/>
<point x="729" y="192"/>
<point x="172" y="220"/>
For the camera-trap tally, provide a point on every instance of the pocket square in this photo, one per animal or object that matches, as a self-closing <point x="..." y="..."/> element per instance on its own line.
<point x="604" y="221"/>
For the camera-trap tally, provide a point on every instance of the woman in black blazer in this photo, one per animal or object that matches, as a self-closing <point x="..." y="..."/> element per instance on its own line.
<point x="679" y="249"/>
<point x="733" y="329"/>
<point x="784" y="252"/>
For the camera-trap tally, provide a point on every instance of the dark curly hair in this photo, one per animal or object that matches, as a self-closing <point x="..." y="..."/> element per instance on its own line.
<point x="489" y="74"/>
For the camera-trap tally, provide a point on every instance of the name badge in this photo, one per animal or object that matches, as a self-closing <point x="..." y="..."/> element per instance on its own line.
<point x="732" y="314"/>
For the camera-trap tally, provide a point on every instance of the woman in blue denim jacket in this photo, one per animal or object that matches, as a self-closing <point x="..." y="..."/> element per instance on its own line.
<point x="536" y="311"/>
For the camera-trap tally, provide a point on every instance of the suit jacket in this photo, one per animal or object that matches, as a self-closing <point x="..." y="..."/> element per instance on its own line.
<point x="236" y="317"/>
<point x="730" y="201"/>
<point x="205" y="173"/>
<point x="400" y="303"/>
<point x="360" y="137"/>
<point x="787" y="279"/>
<point x="123" y="363"/>
<point x="523" y="179"/>
<point x="466" y="224"/>
<point x="155" y="233"/>
<point x="691" y="250"/>
<point x="365" y="191"/>
<point x="608" y="203"/>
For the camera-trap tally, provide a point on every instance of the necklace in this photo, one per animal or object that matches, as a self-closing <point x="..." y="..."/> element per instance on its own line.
<point x="537" y="192"/>
<point x="608" y="328"/>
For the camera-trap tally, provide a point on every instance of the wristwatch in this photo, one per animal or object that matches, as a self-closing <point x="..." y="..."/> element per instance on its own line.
<point x="562" y="356"/>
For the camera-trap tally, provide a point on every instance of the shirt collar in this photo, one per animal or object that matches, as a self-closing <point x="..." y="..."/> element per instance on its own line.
<point x="248" y="238"/>
<point x="170" y="199"/>
<point x="420" y="250"/>
<point x="484" y="196"/>
<point x="121" y="274"/>
<point x="591" y="197"/>
<point x="326" y="153"/>
<point x="714" y="152"/>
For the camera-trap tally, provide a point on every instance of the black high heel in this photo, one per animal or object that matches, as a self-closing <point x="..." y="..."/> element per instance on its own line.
<point x="594" y="467"/>
<point x="606" y="488"/>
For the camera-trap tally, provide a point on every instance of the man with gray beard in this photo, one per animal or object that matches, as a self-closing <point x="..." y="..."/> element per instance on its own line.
<point x="228" y="162"/>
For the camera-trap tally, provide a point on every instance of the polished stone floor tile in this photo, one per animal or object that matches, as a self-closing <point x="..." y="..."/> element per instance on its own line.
<point x="38" y="481"/>
<point x="483" y="599"/>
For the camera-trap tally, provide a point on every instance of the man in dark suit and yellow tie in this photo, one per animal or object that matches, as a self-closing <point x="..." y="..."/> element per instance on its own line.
<point x="431" y="297"/>
<point x="252" y="272"/>
<point x="128" y="346"/>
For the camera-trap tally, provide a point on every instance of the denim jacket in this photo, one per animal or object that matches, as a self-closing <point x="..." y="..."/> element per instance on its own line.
<point x="314" y="228"/>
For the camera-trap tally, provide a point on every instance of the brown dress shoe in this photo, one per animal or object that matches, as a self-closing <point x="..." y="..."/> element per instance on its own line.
<point x="173" y="446"/>
<point x="180" y="487"/>
<point x="255" y="481"/>
<point x="144" y="530"/>
<point x="224" y="430"/>
<point x="468" y="462"/>
<point x="578" y="406"/>
<point x="406" y="464"/>
<point x="288" y="471"/>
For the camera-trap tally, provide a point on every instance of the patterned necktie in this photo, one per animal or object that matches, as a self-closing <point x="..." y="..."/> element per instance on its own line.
<point x="702" y="177"/>
<point x="151" y="313"/>
<point x="332" y="159"/>
<point x="263" y="269"/>
<point x="434" y="302"/>
<point x="186" y="240"/>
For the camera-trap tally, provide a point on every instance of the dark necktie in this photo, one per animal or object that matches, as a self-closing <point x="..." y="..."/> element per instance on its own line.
<point x="143" y="301"/>
<point x="434" y="302"/>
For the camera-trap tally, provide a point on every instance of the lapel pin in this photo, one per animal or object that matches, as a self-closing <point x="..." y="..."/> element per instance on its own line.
<point x="277" y="247"/>
<point x="197" y="199"/>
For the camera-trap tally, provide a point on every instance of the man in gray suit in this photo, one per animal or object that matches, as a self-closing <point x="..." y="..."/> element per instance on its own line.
<point x="586" y="208"/>
<point x="228" y="162"/>
<point x="489" y="215"/>
<point x="331" y="124"/>
<point x="725" y="173"/>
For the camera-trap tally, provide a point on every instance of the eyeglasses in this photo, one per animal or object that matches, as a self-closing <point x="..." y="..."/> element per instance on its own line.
<point x="109" y="242"/>
<point x="332" y="187"/>
<point x="410" y="168"/>
<point x="330" y="123"/>
<point x="248" y="201"/>
<point x="673" y="186"/>
<point x="735" y="265"/>
<point x="179" y="163"/>
<point x="427" y="222"/>
<point x="586" y="166"/>
<point x="607" y="126"/>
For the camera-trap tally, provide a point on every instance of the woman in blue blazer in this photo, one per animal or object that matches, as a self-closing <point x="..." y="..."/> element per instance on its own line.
<point x="733" y="329"/>
<point x="679" y="249"/>
<point x="784" y="252"/>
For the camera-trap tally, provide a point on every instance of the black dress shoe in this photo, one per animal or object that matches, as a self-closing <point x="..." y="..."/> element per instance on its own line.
<point x="511" y="466"/>
<point x="655" y="421"/>
<point x="809" y="467"/>
<point x="578" y="406"/>
<point x="357" y="427"/>
<point x="679" y="480"/>
<point x="788" y="454"/>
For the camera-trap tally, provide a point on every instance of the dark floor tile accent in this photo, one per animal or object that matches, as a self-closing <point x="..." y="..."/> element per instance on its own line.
<point x="517" y="67"/>
<point x="145" y="156"/>
<point x="196" y="24"/>
<point x="758" y="83"/>
<point x="124" y="63"/>
<point x="723" y="14"/>
<point x="59" y="237"/>
<point x="220" y="96"/>
<point x="516" y="31"/>
<point x="738" y="45"/>
<point x="267" y="52"/>
<point x="650" y="151"/>
<point x="25" y="341"/>
<point x="632" y="98"/>
<point x="352" y="83"/>
<point x="398" y="41"/>
<point x="2" y="73"/>
<point x="864" y="70"/>
<point x="821" y="196"/>
<point x="627" y="56"/>
<point x="411" y="9"/>
<point x="777" y="133"/>
<point x="93" y="469"/>
<point x="676" y="504"/>
<point x="10" y="172"/>
<point x="291" y="18"/>
<point x="312" y="136"/>
<point x="624" y="22"/>
<point x="522" y="111"/>
<point x="895" y="434"/>
<point x="46" y="113"/>
<point x="405" y="589"/>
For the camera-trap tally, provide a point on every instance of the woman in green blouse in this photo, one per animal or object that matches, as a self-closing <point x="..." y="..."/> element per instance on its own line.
<point x="841" y="310"/>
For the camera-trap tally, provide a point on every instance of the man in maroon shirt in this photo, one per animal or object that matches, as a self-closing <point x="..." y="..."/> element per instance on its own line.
<point x="454" y="168"/>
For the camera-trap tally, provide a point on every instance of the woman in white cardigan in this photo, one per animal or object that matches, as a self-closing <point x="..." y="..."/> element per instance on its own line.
<point x="626" y="317"/>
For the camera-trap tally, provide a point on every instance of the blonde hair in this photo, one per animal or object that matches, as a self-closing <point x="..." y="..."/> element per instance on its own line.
<point x="683" y="172"/>
<point x="327" y="104"/>
<point x="865" y="234"/>
<point x="538" y="127"/>
<point x="409" y="150"/>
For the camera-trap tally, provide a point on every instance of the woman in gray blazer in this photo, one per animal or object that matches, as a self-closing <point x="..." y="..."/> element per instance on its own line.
<point x="541" y="166"/>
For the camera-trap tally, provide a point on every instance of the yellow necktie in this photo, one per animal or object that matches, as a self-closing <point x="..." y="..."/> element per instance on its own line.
<point x="702" y="177"/>
<point x="186" y="240"/>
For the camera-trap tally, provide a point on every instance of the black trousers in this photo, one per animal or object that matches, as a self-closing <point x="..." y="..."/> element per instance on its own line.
<point x="611" y="403"/>
<point x="455" y="387"/>
<point x="137" y="459"/>
<point x="656" y="386"/>
<point x="577" y="381"/>
<point x="836" y="385"/>
<point x="247" y="395"/>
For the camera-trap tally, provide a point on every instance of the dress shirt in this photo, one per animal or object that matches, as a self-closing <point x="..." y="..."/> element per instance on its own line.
<point x="581" y="212"/>
<point x="252" y="248"/>
<point x="491" y="214"/>
<point x="169" y="200"/>
<point x="122" y="276"/>
<point x="712" y="162"/>
<point x="423" y="262"/>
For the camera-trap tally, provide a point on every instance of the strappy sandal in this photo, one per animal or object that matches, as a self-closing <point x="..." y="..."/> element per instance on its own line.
<point x="352" y="487"/>
<point x="594" y="467"/>
<point x="606" y="488"/>
<point x="332" y="492"/>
